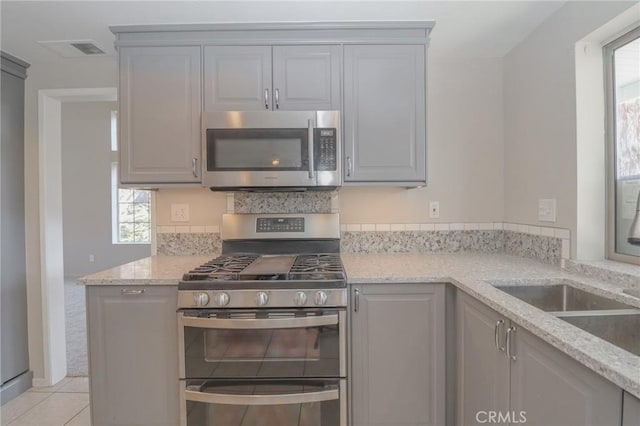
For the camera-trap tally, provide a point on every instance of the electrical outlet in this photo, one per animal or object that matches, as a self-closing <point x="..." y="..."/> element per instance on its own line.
<point x="92" y="258"/>
<point x="547" y="210"/>
<point x="179" y="212"/>
<point x="434" y="209"/>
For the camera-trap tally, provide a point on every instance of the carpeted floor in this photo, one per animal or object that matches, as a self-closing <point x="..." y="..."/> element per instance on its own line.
<point x="76" y="328"/>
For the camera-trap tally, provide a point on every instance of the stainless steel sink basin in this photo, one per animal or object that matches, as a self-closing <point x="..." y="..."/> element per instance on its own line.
<point x="622" y="330"/>
<point x="561" y="298"/>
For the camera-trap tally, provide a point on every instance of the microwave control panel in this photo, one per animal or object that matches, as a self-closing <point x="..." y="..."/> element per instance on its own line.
<point x="325" y="148"/>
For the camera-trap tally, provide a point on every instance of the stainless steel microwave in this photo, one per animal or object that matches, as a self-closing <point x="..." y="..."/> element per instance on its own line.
<point x="271" y="150"/>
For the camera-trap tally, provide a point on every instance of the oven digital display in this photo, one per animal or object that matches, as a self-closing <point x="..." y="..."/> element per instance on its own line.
<point x="280" y="224"/>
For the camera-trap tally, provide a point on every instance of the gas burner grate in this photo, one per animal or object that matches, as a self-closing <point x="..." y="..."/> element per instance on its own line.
<point x="223" y="268"/>
<point x="317" y="263"/>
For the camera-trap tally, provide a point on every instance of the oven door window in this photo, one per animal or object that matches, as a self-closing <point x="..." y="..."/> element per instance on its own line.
<point x="257" y="150"/>
<point x="263" y="403"/>
<point x="244" y="344"/>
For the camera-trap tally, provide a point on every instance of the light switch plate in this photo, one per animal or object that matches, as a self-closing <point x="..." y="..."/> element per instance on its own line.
<point x="547" y="209"/>
<point x="179" y="212"/>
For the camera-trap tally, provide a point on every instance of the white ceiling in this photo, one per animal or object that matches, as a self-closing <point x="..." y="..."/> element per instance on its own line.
<point x="463" y="28"/>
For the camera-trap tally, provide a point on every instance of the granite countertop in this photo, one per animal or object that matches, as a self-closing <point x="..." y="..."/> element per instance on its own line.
<point x="155" y="270"/>
<point x="470" y="272"/>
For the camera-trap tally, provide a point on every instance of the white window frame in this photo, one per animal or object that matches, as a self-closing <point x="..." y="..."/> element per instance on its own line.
<point x="608" y="56"/>
<point x="115" y="190"/>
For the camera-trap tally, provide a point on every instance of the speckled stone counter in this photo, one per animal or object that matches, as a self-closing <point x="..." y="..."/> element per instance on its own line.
<point x="156" y="270"/>
<point x="473" y="273"/>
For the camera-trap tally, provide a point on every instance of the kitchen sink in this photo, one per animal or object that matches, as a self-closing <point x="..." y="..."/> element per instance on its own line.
<point x="562" y="298"/>
<point x="622" y="330"/>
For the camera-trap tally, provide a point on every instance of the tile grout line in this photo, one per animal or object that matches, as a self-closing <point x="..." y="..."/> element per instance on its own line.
<point x="78" y="413"/>
<point x="12" y="421"/>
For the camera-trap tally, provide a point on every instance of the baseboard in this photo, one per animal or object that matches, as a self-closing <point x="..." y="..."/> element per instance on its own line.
<point x="15" y="387"/>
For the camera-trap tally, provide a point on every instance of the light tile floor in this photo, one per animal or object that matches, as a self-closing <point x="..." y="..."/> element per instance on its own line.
<point x="64" y="404"/>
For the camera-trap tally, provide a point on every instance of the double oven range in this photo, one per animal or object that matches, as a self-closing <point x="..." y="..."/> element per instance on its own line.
<point x="262" y="328"/>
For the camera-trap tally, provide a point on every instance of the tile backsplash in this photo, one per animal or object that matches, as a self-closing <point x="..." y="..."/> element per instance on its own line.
<point x="548" y="245"/>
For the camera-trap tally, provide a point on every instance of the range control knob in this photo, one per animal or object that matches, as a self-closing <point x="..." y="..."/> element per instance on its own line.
<point x="201" y="299"/>
<point x="262" y="298"/>
<point x="222" y="299"/>
<point x="320" y="298"/>
<point x="300" y="298"/>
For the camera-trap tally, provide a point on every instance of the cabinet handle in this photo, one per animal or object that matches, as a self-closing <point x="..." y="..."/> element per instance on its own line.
<point x="510" y="355"/>
<point x="130" y="292"/>
<point x="194" y="165"/>
<point x="277" y="98"/>
<point x="349" y="166"/>
<point x="356" y="300"/>
<point x="496" y="335"/>
<point x="266" y="98"/>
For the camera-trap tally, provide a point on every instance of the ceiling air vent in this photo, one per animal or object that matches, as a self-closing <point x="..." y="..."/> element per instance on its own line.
<point x="88" y="48"/>
<point x="74" y="48"/>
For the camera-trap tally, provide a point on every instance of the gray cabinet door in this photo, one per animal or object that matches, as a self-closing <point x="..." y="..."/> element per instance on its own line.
<point x="483" y="369"/>
<point x="306" y="77"/>
<point x="630" y="410"/>
<point x="160" y="104"/>
<point x="133" y="355"/>
<point x="237" y="78"/>
<point x="385" y="113"/>
<point x="397" y="358"/>
<point x="13" y="284"/>
<point x="549" y="388"/>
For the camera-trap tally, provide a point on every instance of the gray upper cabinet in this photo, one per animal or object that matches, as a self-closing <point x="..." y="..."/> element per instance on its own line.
<point x="385" y="114"/>
<point x="398" y="354"/>
<point x="275" y="78"/>
<point x="160" y="104"/>
<point x="532" y="382"/>
<point x="237" y="78"/>
<point x="306" y="77"/>
<point x="133" y="355"/>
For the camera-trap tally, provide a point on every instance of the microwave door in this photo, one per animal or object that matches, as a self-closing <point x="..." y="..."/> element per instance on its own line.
<point x="260" y="157"/>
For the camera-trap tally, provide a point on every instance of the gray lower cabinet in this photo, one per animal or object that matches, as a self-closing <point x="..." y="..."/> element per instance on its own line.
<point x="264" y="77"/>
<point x="536" y="385"/>
<point x="397" y="354"/>
<point x="630" y="410"/>
<point x="133" y="355"/>
<point x="385" y="114"/>
<point x="159" y="114"/>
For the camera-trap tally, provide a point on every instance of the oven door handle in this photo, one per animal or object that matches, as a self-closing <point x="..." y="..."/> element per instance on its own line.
<point x="284" y="399"/>
<point x="225" y="323"/>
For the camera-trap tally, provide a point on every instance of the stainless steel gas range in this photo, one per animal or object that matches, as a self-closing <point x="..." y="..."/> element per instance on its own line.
<point x="262" y="328"/>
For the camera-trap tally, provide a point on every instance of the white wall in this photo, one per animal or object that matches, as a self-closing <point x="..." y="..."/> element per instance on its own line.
<point x="540" y="114"/>
<point x="69" y="74"/>
<point x="86" y="191"/>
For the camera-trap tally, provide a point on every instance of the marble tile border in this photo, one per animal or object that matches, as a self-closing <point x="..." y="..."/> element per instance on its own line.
<point x="188" y="229"/>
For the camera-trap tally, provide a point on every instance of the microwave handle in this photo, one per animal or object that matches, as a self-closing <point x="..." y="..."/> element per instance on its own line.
<point x="284" y="399"/>
<point x="312" y="126"/>
<point x="259" y="324"/>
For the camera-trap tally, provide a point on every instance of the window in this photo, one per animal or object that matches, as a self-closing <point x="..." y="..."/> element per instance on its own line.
<point x="130" y="208"/>
<point x="622" y="73"/>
